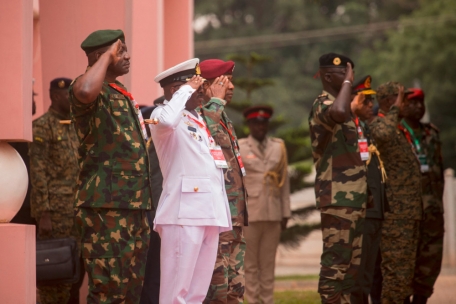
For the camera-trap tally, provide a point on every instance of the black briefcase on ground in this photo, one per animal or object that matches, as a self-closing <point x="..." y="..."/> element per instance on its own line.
<point x="57" y="261"/>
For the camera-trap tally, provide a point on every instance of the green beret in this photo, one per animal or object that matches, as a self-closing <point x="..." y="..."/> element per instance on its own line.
<point x="101" y="38"/>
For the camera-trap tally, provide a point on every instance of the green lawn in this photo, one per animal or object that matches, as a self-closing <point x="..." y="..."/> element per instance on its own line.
<point x="295" y="297"/>
<point x="309" y="277"/>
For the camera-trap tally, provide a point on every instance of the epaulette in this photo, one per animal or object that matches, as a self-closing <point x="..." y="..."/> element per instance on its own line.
<point x="276" y="139"/>
<point x="434" y="127"/>
<point x="431" y="126"/>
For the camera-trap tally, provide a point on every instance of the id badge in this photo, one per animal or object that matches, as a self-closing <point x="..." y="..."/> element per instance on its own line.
<point x="423" y="163"/>
<point x="241" y="164"/>
<point x="363" y="149"/>
<point x="219" y="158"/>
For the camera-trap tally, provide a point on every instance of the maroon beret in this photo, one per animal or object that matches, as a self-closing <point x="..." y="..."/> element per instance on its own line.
<point x="213" y="68"/>
<point x="416" y="94"/>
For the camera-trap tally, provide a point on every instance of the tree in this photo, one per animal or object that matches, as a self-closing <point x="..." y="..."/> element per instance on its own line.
<point x="423" y="55"/>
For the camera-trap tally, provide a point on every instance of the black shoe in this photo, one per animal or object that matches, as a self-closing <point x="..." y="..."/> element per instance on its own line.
<point x="417" y="299"/>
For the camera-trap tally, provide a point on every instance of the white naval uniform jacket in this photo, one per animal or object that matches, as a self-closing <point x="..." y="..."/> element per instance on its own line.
<point x="193" y="187"/>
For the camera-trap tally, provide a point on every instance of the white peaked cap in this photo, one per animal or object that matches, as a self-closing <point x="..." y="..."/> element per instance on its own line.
<point x="180" y="72"/>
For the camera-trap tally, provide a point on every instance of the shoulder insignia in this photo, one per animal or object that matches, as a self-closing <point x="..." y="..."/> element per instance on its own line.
<point x="434" y="127"/>
<point x="323" y="95"/>
<point x="37" y="138"/>
<point x="116" y="96"/>
<point x="276" y="139"/>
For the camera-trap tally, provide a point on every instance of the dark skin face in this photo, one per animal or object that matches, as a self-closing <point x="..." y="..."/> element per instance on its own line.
<point x="193" y="102"/>
<point x="229" y="90"/>
<point x="364" y="107"/>
<point x="332" y="79"/>
<point x="413" y="110"/>
<point x="115" y="69"/>
<point x="258" y="128"/>
<point x="60" y="101"/>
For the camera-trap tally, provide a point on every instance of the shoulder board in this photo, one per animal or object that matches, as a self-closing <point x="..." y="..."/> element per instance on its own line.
<point x="116" y="96"/>
<point x="278" y="140"/>
<point x="434" y="127"/>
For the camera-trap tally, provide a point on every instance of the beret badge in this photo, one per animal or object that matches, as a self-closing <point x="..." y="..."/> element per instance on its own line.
<point x="61" y="84"/>
<point x="337" y="61"/>
<point x="197" y="69"/>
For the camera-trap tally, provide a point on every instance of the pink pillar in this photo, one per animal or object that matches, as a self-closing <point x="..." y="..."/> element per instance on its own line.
<point x="144" y="37"/>
<point x="178" y="32"/>
<point x="17" y="264"/>
<point x="16" y="18"/>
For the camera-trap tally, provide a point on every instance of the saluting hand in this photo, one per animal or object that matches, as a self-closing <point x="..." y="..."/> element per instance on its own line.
<point x="400" y="97"/>
<point x="195" y="82"/>
<point x="349" y="72"/>
<point x="218" y="88"/>
<point x="115" y="50"/>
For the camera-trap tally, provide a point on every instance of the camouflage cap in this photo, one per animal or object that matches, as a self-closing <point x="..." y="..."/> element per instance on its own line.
<point x="101" y="38"/>
<point x="389" y="88"/>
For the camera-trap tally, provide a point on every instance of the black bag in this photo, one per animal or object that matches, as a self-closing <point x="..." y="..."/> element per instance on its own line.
<point x="57" y="261"/>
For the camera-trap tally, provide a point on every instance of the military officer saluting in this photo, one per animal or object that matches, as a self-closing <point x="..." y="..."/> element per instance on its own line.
<point x="113" y="191"/>
<point x="268" y="186"/>
<point x="362" y="109"/>
<point x="400" y="229"/>
<point x="193" y="208"/>
<point x="425" y="140"/>
<point x="54" y="172"/>
<point x="340" y="184"/>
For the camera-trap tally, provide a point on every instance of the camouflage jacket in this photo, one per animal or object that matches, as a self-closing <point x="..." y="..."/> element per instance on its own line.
<point x="432" y="182"/>
<point x="112" y="154"/>
<point x="214" y="114"/>
<point x="341" y="174"/>
<point x="403" y="186"/>
<point x="54" y="166"/>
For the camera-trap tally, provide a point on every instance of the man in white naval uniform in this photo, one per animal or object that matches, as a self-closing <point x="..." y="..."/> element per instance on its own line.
<point x="193" y="208"/>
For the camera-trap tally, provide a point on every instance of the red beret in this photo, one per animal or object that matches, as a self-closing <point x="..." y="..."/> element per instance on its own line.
<point x="415" y="94"/>
<point x="213" y="68"/>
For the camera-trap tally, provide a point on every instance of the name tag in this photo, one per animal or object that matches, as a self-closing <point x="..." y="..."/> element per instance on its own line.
<point x="423" y="163"/>
<point x="116" y="96"/>
<point x="219" y="158"/>
<point x="363" y="149"/>
<point x="191" y="129"/>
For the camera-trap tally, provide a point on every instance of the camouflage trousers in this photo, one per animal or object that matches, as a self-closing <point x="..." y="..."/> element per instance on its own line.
<point x="398" y="249"/>
<point x="342" y="229"/>
<point x="114" y="249"/>
<point x="430" y="252"/>
<point x="228" y="280"/>
<point x="62" y="226"/>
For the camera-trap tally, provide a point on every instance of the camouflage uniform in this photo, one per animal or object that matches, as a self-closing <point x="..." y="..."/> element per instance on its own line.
<point x="227" y="285"/>
<point x="113" y="195"/>
<point x="400" y="228"/>
<point x="341" y="194"/>
<point x="430" y="246"/>
<point x="54" y="172"/>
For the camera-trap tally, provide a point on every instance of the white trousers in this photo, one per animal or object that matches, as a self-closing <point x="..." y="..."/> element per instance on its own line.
<point x="187" y="260"/>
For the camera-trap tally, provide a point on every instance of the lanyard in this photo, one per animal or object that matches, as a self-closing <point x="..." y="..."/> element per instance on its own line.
<point x="412" y="133"/>
<point x="358" y="128"/>
<point x="233" y="139"/>
<point x="202" y="126"/>
<point x="135" y="104"/>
